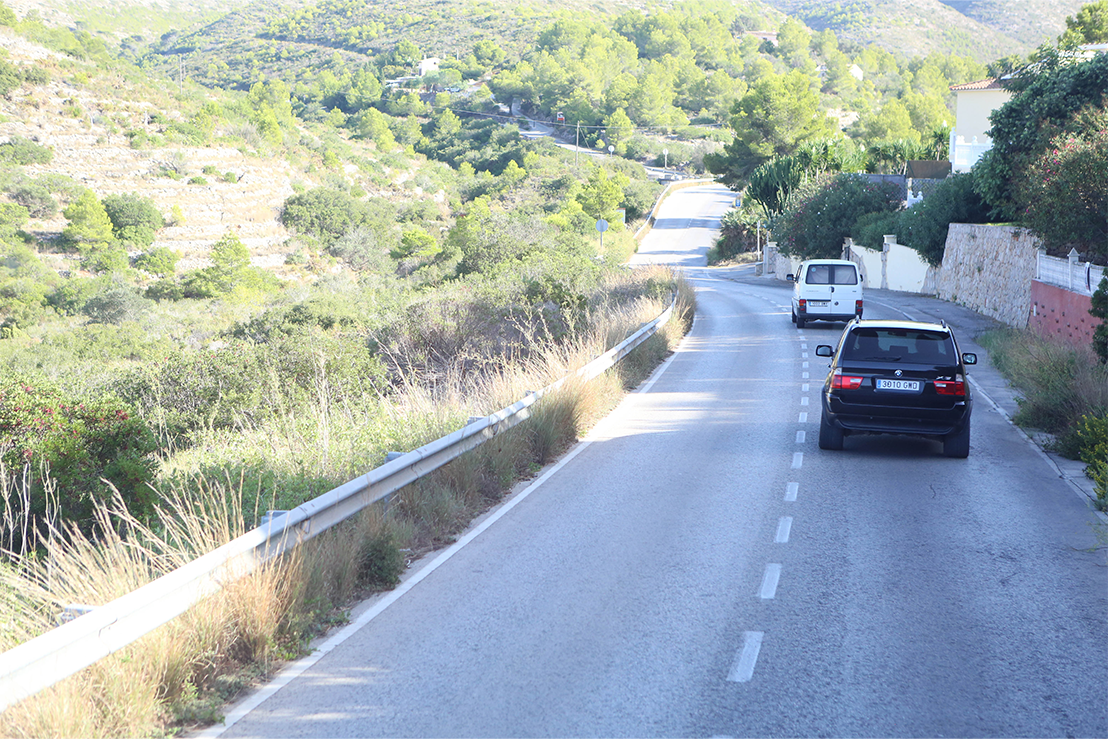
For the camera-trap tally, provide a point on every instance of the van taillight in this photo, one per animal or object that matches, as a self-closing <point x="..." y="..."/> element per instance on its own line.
<point x="839" y="381"/>
<point x="801" y="305"/>
<point x="957" y="386"/>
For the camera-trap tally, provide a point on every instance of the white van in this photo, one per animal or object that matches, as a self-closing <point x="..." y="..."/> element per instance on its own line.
<point x="826" y="290"/>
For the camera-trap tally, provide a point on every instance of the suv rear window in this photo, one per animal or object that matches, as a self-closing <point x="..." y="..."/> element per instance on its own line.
<point x="908" y="345"/>
<point x="831" y="274"/>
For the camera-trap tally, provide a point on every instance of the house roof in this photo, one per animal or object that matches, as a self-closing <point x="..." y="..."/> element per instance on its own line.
<point x="990" y="84"/>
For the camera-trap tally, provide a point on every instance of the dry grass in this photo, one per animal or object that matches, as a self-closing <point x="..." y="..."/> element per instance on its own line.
<point x="181" y="674"/>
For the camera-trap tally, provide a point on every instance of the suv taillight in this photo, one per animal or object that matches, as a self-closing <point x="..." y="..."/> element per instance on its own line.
<point x="839" y="381"/>
<point x="858" y="307"/>
<point x="957" y="386"/>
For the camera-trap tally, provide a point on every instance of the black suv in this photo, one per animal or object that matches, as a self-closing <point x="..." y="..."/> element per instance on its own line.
<point x="897" y="377"/>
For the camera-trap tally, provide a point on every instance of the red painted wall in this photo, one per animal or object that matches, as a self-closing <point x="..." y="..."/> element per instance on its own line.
<point x="1057" y="312"/>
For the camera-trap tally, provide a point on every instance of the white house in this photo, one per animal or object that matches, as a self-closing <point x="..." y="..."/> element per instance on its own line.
<point x="431" y="64"/>
<point x="969" y="138"/>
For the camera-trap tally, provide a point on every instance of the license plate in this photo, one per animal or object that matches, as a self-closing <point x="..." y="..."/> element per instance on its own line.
<point x="902" y="385"/>
<point x="819" y="303"/>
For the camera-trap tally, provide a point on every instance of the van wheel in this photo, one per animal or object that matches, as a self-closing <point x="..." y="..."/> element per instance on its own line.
<point x="829" y="436"/>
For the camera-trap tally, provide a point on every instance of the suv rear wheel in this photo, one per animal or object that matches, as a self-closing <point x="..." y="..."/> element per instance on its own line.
<point x="829" y="436"/>
<point x="957" y="444"/>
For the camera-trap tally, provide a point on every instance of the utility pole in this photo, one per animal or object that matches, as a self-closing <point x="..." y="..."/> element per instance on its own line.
<point x="577" y="144"/>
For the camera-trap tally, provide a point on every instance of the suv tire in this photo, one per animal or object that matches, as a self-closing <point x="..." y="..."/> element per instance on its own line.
<point x="957" y="444"/>
<point x="829" y="436"/>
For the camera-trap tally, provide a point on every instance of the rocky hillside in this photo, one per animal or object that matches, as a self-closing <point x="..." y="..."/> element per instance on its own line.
<point x="213" y="189"/>
<point x="983" y="29"/>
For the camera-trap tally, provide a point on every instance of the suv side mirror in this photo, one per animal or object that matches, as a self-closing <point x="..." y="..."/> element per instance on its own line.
<point x="790" y="277"/>
<point x="823" y="350"/>
<point x="969" y="358"/>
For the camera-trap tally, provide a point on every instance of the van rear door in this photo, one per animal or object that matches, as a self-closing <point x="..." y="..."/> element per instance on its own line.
<point x="817" y="288"/>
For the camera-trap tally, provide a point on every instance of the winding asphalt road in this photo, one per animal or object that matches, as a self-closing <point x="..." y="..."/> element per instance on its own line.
<point x="698" y="567"/>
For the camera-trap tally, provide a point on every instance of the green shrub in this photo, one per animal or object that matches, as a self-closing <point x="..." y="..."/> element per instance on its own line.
<point x="160" y="260"/>
<point x="116" y="305"/>
<point x="738" y="233"/>
<point x="1059" y="384"/>
<point x="323" y="213"/>
<point x="134" y="219"/>
<point x="1064" y="196"/>
<point x="71" y="443"/>
<point x="36" y="199"/>
<point x="924" y="226"/>
<point x="819" y="216"/>
<point x="21" y="151"/>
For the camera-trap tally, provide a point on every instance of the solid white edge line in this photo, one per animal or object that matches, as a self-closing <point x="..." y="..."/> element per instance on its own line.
<point x="1054" y="465"/>
<point x="294" y="670"/>
<point x="743" y="667"/>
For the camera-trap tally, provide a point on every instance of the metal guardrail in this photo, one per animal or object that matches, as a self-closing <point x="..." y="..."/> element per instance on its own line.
<point x="63" y="651"/>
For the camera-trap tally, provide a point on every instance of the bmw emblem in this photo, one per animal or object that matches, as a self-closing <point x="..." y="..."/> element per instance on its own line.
<point x="898" y="373"/>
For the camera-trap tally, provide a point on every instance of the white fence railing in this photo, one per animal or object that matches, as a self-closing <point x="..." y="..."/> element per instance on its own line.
<point x="1072" y="273"/>
<point x="47" y="659"/>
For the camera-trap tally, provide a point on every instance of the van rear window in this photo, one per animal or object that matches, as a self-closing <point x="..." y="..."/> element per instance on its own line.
<point x="831" y="274"/>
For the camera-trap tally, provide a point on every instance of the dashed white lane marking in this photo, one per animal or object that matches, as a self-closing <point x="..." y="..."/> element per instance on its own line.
<point x="769" y="582"/>
<point x="803" y="355"/>
<point x="798" y="460"/>
<point x="803" y="417"/>
<point x="804" y="375"/>
<point x="805" y="387"/>
<point x="791" y="490"/>
<point x="804" y="401"/>
<point x="799" y="437"/>
<point x="804" y="365"/>
<point x="784" y="526"/>
<point x="804" y="345"/>
<point x="743" y="667"/>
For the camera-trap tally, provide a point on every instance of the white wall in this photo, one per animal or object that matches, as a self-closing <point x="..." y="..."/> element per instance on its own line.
<point x="905" y="269"/>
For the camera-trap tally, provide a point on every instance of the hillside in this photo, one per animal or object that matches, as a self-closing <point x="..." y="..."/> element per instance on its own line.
<point x="227" y="186"/>
<point x="983" y="29"/>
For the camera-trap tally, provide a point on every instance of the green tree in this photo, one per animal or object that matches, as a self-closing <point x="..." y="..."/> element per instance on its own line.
<point x="619" y="130"/>
<point x="778" y="113"/>
<point x="89" y="229"/>
<point x="601" y="194"/>
<point x="1089" y="26"/>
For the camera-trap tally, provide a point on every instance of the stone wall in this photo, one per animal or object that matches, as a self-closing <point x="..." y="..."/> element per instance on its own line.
<point x="989" y="269"/>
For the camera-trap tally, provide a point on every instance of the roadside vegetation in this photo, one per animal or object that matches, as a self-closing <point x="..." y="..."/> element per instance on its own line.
<point x="1064" y="392"/>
